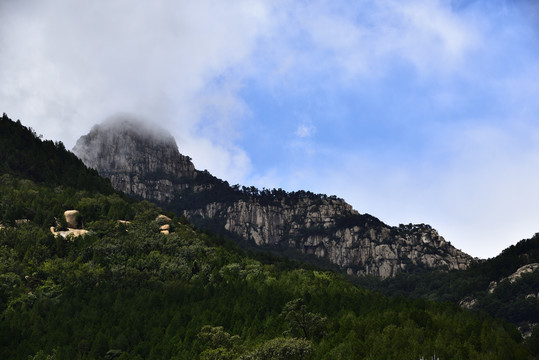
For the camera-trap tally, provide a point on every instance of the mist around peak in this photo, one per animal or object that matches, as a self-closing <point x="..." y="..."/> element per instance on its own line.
<point x="124" y="143"/>
<point x="119" y="135"/>
<point x="125" y="123"/>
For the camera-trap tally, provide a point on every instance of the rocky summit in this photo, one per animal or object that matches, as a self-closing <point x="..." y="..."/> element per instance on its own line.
<point x="145" y="162"/>
<point x="138" y="159"/>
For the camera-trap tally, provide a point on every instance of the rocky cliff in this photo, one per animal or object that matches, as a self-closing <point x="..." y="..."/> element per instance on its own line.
<point x="138" y="159"/>
<point x="145" y="162"/>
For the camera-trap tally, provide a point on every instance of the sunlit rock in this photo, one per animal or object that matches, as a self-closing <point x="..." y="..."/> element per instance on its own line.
<point x="71" y="217"/>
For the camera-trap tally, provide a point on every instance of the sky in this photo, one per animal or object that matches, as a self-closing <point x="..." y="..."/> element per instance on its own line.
<point x="413" y="111"/>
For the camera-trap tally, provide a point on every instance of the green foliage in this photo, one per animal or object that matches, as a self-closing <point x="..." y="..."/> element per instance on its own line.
<point x="281" y="349"/>
<point x="217" y="190"/>
<point x="362" y="220"/>
<point x="127" y="291"/>
<point x="23" y="153"/>
<point x="533" y="342"/>
<point x="302" y="323"/>
<point x="221" y="345"/>
<point x="42" y="356"/>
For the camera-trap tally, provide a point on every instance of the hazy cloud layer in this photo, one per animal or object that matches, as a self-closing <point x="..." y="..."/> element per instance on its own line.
<point x="67" y="65"/>
<point x="414" y="110"/>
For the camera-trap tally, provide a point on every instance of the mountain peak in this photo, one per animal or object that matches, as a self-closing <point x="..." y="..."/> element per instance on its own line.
<point x="131" y="152"/>
<point x="140" y="163"/>
<point x="130" y="126"/>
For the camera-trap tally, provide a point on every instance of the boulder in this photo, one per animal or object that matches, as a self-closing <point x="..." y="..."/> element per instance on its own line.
<point x="71" y="217"/>
<point x="162" y="218"/>
<point x="165" y="229"/>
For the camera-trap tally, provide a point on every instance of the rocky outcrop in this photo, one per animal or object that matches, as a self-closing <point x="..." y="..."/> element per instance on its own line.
<point x="526" y="269"/>
<point x="69" y="233"/>
<point x="469" y="303"/>
<point x="72" y="218"/>
<point x="164" y="222"/>
<point x="138" y="159"/>
<point x="331" y="229"/>
<point x="163" y="218"/>
<point x="73" y="226"/>
<point x="145" y="162"/>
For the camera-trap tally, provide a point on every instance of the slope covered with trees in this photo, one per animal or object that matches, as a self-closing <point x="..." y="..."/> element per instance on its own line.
<point x="126" y="290"/>
<point x="24" y="154"/>
<point x="484" y="286"/>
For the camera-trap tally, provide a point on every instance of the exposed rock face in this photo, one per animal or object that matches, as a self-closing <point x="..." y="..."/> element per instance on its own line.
<point x="468" y="303"/>
<point x="329" y="228"/>
<point x="163" y="228"/>
<point x="147" y="164"/>
<point x="526" y="269"/>
<point x="138" y="159"/>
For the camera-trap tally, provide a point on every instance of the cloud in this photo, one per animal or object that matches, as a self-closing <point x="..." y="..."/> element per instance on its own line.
<point x="305" y="130"/>
<point x="69" y="65"/>
<point x="349" y="41"/>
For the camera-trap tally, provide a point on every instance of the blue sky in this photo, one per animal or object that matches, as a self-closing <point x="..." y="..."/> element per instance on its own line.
<point x="413" y="111"/>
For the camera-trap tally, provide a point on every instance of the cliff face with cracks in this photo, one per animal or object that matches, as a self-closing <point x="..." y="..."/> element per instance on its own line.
<point x="331" y="229"/>
<point x="146" y="163"/>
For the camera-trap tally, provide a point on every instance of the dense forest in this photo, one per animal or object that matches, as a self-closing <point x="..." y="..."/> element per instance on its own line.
<point x="24" y="154"/>
<point x="129" y="290"/>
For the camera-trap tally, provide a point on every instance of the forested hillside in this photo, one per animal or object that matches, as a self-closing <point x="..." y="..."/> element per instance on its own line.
<point x="128" y="289"/>
<point x="24" y="154"/>
<point x="485" y="286"/>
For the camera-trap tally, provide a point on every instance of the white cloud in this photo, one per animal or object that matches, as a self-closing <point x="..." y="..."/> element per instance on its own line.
<point x="305" y="130"/>
<point x="72" y="64"/>
<point x="431" y="35"/>
<point x="68" y="65"/>
<point x="353" y="40"/>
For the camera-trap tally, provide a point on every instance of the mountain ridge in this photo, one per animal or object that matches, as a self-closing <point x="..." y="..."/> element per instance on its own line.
<point x="150" y="168"/>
